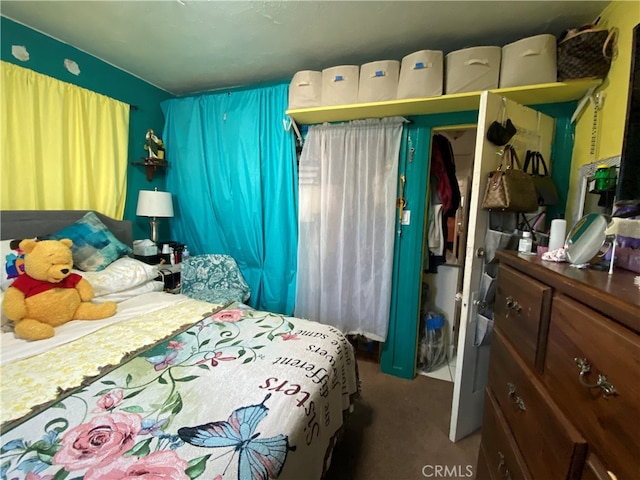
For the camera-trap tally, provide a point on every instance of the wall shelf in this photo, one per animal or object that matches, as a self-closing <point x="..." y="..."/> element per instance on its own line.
<point x="151" y="164"/>
<point x="458" y="102"/>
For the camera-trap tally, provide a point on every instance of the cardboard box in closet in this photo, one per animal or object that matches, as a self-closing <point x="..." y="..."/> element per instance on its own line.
<point x="421" y="75"/>
<point x="340" y="85"/>
<point x="529" y="61"/>
<point x="378" y="81"/>
<point x="305" y="89"/>
<point x="472" y="69"/>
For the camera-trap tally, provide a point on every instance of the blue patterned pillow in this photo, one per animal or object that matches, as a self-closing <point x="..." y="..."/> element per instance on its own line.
<point x="94" y="246"/>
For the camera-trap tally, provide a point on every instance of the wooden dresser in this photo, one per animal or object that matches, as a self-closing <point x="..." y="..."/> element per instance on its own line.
<point x="563" y="394"/>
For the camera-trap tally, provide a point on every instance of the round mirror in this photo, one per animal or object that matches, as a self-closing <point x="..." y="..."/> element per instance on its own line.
<point x="586" y="238"/>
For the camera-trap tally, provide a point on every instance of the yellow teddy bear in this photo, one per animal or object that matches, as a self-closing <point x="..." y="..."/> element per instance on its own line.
<point x="48" y="294"/>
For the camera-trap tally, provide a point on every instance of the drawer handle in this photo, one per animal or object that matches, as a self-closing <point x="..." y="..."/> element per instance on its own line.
<point x="515" y="398"/>
<point x="585" y="368"/>
<point x="513" y="305"/>
<point x="502" y="467"/>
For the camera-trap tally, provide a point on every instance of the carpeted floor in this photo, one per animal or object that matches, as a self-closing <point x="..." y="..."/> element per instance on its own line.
<point x="399" y="431"/>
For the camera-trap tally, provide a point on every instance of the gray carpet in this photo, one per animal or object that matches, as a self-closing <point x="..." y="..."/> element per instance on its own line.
<point x="399" y="431"/>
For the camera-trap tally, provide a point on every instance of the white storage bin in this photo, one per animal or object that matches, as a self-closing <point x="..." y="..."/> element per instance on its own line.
<point x="472" y="69"/>
<point x="529" y="61"/>
<point x="421" y="74"/>
<point x="305" y="89"/>
<point x="378" y="81"/>
<point x="340" y="85"/>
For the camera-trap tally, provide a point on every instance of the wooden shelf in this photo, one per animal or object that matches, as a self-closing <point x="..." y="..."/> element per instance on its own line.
<point x="150" y="165"/>
<point x="458" y="102"/>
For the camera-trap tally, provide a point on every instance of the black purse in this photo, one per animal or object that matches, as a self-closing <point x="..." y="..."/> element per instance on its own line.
<point x="499" y="134"/>
<point x="545" y="188"/>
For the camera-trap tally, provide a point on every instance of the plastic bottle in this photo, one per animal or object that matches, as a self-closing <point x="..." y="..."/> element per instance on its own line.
<point x="185" y="253"/>
<point x="525" y="243"/>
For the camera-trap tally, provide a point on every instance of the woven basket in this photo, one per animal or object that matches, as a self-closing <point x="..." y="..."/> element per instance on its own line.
<point x="586" y="54"/>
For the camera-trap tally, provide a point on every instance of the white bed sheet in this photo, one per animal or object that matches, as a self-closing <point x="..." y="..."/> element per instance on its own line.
<point x="13" y="348"/>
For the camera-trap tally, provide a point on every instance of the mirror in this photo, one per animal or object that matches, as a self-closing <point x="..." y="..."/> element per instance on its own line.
<point x="586" y="238"/>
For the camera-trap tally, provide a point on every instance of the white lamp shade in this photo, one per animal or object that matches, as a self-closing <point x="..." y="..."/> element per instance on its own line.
<point x="154" y="204"/>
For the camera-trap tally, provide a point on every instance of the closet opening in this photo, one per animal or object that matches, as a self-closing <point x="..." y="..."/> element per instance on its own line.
<point x="446" y="220"/>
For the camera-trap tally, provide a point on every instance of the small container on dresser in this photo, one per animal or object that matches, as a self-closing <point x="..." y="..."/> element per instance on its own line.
<point x="563" y="394"/>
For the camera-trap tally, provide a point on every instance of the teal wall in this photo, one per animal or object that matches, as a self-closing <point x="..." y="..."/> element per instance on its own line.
<point x="46" y="56"/>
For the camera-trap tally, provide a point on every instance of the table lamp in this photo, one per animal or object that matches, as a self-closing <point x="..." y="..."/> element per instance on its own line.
<point x="154" y="204"/>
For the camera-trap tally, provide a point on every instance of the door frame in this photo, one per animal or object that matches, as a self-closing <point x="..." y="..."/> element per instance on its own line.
<point x="399" y="351"/>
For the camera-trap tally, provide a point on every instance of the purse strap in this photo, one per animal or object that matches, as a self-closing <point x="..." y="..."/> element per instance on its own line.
<point x="528" y="159"/>
<point x="536" y="159"/>
<point x="611" y="39"/>
<point x="540" y="161"/>
<point x="509" y="157"/>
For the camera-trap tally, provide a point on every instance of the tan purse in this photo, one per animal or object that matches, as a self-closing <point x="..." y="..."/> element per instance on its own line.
<point x="510" y="189"/>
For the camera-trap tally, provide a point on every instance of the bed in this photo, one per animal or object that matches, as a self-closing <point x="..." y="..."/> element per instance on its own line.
<point x="170" y="387"/>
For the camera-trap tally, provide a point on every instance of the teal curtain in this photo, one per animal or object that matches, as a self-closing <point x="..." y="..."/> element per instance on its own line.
<point x="232" y="171"/>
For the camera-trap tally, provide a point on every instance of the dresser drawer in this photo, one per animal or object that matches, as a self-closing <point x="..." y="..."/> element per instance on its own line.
<point x="612" y="354"/>
<point x="482" y="468"/>
<point x="501" y="454"/>
<point x="521" y="309"/>
<point x="551" y="446"/>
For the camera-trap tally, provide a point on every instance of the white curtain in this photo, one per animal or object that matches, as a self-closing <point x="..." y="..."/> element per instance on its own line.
<point x="347" y="200"/>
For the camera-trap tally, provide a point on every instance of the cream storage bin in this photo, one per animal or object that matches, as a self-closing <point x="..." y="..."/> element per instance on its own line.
<point x="529" y="61"/>
<point x="378" y="81"/>
<point x="305" y="89"/>
<point x="421" y="75"/>
<point x="472" y="69"/>
<point x="340" y="85"/>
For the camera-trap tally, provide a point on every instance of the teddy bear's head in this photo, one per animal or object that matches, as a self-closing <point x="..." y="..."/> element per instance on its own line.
<point x="48" y="260"/>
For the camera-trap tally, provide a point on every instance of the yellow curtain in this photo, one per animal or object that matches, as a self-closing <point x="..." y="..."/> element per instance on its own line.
<point x="63" y="147"/>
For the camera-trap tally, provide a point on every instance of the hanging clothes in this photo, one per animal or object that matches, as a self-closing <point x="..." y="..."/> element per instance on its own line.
<point x="444" y="201"/>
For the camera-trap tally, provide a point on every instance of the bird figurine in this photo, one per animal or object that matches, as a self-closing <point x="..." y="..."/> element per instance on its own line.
<point x="154" y="145"/>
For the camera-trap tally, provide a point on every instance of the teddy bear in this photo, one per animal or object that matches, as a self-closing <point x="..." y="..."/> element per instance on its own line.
<point x="48" y="294"/>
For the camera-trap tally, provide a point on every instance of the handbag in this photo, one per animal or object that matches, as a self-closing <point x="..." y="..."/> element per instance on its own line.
<point x="499" y="134"/>
<point x="545" y="188"/>
<point x="585" y="53"/>
<point x="510" y="189"/>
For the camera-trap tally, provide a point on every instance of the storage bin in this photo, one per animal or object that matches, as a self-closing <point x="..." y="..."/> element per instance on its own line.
<point x="421" y="74"/>
<point x="472" y="69"/>
<point x="529" y="61"/>
<point x="378" y="81"/>
<point x="340" y="85"/>
<point x="305" y="89"/>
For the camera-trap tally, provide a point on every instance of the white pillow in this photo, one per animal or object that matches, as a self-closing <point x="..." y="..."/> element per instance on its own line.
<point x="123" y="274"/>
<point x="150" y="286"/>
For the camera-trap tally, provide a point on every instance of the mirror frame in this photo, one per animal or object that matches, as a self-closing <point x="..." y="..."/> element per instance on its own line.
<point x="586" y="238"/>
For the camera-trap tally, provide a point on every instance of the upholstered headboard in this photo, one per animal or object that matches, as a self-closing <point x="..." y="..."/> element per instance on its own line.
<point x="32" y="223"/>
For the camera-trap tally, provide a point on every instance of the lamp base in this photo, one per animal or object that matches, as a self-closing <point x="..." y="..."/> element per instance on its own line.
<point x="154" y="229"/>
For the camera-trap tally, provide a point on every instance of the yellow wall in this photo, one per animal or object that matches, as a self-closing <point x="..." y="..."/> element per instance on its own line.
<point x="624" y="15"/>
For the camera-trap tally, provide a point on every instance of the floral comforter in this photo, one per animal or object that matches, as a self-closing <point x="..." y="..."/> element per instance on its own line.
<point x="242" y="394"/>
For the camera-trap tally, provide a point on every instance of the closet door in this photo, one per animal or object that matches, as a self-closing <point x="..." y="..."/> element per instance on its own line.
<point x="535" y="131"/>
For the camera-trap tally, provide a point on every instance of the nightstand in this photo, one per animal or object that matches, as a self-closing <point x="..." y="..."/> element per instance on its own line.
<point x="170" y="275"/>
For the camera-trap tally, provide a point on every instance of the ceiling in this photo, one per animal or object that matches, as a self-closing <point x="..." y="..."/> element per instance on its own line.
<point x="187" y="46"/>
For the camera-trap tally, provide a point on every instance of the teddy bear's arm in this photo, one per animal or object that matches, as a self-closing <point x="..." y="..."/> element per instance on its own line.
<point x="85" y="290"/>
<point x="13" y="304"/>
